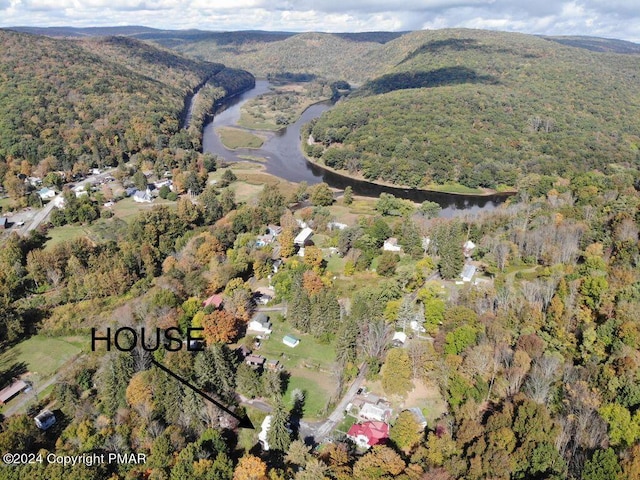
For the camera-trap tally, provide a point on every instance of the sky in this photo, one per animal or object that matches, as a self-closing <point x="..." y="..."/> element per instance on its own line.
<point x="603" y="18"/>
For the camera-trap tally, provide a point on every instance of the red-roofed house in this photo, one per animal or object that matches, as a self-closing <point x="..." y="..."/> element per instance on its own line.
<point x="368" y="434"/>
<point x="215" y="300"/>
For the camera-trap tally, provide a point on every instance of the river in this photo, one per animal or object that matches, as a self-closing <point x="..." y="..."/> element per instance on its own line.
<point x="285" y="159"/>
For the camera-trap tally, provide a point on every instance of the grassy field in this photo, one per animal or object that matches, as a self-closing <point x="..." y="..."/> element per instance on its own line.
<point x="234" y="138"/>
<point x="309" y="364"/>
<point x="38" y="358"/>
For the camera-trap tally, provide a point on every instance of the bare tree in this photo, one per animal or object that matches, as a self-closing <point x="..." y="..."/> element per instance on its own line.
<point x="541" y="376"/>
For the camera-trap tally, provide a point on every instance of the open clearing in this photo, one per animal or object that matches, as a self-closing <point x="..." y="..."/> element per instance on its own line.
<point x="234" y="138"/>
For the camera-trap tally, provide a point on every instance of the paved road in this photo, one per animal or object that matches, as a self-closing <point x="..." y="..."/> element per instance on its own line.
<point x="337" y="415"/>
<point x="42" y="215"/>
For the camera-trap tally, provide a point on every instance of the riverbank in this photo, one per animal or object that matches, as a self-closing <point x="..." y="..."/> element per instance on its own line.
<point x="449" y="189"/>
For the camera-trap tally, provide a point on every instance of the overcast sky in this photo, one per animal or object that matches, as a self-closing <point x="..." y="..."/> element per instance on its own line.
<point x="604" y="18"/>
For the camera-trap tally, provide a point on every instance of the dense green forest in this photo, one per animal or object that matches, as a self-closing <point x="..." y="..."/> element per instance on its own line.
<point x="484" y="109"/>
<point x="93" y="102"/>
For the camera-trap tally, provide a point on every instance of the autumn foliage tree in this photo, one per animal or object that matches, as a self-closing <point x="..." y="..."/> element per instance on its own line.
<point x="220" y="326"/>
<point x="250" y="467"/>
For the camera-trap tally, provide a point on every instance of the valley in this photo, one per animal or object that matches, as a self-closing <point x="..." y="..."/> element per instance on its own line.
<point x="403" y="254"/>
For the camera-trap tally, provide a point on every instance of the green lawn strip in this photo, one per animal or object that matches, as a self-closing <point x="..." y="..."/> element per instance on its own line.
<point x="335" y="264"/>
<point x="234" y="138"/>
<point x="127" y="208"/>
<point x="66" y="232"/>
<point x="346" y="424"/>
<point x="455" y="188"/>
<point x="247" y="438"/>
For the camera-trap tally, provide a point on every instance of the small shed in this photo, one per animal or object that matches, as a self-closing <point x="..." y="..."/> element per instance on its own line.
<point x="290" y="341"/>
<point x="4" y="222"/>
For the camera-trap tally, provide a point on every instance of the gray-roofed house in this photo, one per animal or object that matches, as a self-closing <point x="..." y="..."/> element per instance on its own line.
<point x="45" y="419"/>
<point x="468" y="271"/>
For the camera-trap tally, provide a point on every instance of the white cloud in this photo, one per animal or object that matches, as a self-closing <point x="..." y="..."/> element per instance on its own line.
<point x="561" y="17"/>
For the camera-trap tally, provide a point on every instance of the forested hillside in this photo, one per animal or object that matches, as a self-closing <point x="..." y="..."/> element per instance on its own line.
<point x="92" y="101"/>
<point x="485" y="109"/>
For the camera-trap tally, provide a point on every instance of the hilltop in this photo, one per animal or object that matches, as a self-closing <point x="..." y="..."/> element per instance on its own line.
<point x="484" y="109"/>
<point x="93" y="100"/>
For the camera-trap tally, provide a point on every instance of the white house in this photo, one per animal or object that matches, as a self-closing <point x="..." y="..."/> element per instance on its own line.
<point x="369" y="411"/>
<point x="260" y="323"/>
<point x="391" y="245"/>
<point x="399" y="337"/>
<point x="303" y="237"/>
<point x="46" y="193"/>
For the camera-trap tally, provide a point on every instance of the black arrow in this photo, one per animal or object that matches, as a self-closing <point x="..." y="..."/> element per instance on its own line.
<point x="245" y="422"/>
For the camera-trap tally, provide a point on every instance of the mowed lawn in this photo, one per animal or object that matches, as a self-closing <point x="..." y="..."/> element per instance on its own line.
<point x="310" y="365"/>
<point x="42" y="355"/>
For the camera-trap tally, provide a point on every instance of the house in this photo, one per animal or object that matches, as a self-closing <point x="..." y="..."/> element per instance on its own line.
<point x="263" y="298"/>
<point x="391" y="245"/>
<point x="419" y="416"/>
<point x="264" y="240"/>
<point x="370" y="411"/>
<point x="46" y="193"/>
<point x="130" y="191"/>
<point x="45" y="419"/>
<point x="80" y="191"/>
<point x="256" y="361"/>
<point x="216" y="300"/>
<point x="274" y="230"/>
<point x="58" y="201"/>
<point x="468" y="271"/>
<point x="4" y="223"/>
<point x="290" y="341"/>
<point x="142" y="197"/>
<point x="368" y="434"/>
<point x="303" y="237"/>
<point x="260" y="323"/>
<point x="12" y="390"/>
<point x="468" y="248"/>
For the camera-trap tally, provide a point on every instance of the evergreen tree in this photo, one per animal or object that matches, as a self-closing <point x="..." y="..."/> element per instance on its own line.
<point x="347" y="196"/>
<point x="450" y="251"/>
<point x="346" y="346"/>
<point x="248" y="381"/>
<point x="278" y="436"/>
